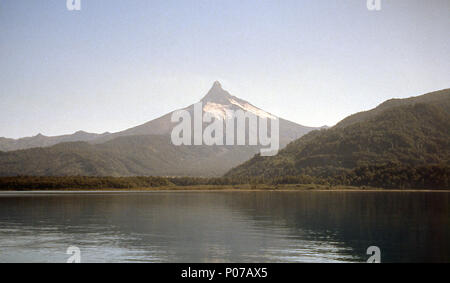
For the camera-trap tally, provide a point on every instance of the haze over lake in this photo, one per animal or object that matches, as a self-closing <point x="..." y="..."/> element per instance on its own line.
<point x="225" y="226"/>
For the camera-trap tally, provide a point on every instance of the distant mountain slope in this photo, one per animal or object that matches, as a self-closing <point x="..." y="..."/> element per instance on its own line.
<point x="143" y="150"/>
<point x="150" y="155"/>
<point x="410" y="132"/>
<point x="44" y="141"/>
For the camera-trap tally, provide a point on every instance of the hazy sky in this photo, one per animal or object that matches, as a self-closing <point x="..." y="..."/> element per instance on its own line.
<point x="116" y="64"/>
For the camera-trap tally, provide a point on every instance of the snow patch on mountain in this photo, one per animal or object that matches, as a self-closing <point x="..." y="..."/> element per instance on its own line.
<point x="252" y="109"/>
<point x="218" y="110"/>
<point x="226" y="111"/>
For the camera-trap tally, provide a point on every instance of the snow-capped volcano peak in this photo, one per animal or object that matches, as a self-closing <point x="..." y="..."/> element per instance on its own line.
<point x="221" y="104"/>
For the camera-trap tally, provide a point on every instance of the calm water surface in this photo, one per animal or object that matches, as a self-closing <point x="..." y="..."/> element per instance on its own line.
<point x="225" y="226"/>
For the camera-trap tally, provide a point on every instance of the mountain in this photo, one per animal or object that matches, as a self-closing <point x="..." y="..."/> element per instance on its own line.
<point x="410" y="134"/>
<point x="218" y="102"/>
<point x="143" y="150"/>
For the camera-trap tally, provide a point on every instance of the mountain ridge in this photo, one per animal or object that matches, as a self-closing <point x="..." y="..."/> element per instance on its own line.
<point x="393" y="102"/>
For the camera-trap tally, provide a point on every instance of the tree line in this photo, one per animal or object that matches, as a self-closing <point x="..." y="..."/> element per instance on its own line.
<point x="390" y="176"/>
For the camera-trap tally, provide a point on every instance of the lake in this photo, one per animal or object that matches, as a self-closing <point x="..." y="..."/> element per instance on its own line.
<point x="308" y="226"/>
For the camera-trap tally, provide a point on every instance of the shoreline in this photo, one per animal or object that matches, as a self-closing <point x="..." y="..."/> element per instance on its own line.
<point x="219" y="188"/>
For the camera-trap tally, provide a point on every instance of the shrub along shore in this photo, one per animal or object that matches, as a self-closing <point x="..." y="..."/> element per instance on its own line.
<point x="401" y="181"/>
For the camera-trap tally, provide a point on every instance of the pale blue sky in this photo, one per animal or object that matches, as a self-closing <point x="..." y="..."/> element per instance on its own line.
<point x="116" y="64"/>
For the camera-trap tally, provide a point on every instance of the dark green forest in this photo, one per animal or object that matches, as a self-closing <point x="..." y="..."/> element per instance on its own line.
<point x="391" y="176"/>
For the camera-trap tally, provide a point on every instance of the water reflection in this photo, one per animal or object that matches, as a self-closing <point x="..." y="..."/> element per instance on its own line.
<point x="225" y="226"/>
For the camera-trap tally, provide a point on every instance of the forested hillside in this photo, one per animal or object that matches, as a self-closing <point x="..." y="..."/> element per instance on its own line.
<point x="400" y="143"/>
